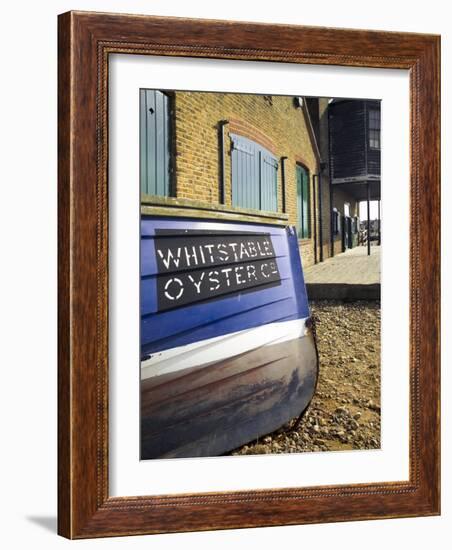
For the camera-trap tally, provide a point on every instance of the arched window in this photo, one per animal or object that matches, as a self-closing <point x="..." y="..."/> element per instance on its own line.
<point x="303" y="203"/>
<point x="253" y="175"/>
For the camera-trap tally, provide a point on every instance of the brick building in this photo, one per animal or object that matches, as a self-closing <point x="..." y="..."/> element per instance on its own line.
<point x="250" y="157"/>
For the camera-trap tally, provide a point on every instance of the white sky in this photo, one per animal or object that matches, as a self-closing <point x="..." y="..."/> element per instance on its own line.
<point x="373" y="210"/>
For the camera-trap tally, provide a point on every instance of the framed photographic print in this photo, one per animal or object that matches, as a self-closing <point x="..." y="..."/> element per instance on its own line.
<point x="248" y="275"/>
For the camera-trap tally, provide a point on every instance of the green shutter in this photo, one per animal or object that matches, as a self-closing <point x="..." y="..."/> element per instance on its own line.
<point x="155" y="143"/>
<point x="299" y="200"/>
<point x="303" y="203"/>
<point x="306" y="209"/>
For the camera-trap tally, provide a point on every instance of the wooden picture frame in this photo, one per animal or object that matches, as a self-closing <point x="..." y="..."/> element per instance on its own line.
<point x="86" y="40"/>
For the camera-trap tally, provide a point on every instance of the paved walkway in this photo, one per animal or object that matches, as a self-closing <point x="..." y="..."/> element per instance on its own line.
<point x="352" y="275"/>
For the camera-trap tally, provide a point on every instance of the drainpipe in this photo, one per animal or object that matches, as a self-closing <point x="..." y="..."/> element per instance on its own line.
<point x="314" y="178"/>
<point x="330" y="177"/>
<point x="319" y="178"/>
<point x="368" y="218"/>
<point x="221" y="126"/>
<point x="283" y="185"/>
<point x="379" y="226"/>
<point x="331" y="219"/>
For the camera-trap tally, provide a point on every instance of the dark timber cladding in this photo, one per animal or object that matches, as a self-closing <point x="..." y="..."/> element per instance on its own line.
<point x="348" y="135"/>
<point x="354" y="130"/>
<point x="355" y="154"/>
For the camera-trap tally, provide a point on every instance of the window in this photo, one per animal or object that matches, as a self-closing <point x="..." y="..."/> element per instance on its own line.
<point x="303" y="203"/>
<point x="254" y="175"/>
<point x="374" y="128"/>
<point x="347" y="209"/>
<point x="155" y="143"/>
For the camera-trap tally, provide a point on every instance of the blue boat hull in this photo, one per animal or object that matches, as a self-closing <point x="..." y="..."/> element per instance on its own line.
<point x="227" y="351"/>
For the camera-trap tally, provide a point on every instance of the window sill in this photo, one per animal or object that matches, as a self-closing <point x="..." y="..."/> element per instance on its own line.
<point x="173" y="206"/>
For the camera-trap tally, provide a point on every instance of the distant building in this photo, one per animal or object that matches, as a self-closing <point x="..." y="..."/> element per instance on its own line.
<point x="374" y="230"/>
<point x="262" y="158"/>
<point x="355" y="153"/>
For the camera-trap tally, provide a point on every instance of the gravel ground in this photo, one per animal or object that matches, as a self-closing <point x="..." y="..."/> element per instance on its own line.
<point x="344" y="413"/>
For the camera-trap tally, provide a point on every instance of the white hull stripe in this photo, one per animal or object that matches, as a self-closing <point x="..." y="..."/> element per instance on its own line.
<point x="221" y="347"/>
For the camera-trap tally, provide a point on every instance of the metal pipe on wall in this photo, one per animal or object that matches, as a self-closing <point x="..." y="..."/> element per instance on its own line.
<point x="314" y="178"/>
<point x="331" y="219"/>
<point x="319" y="179"/>
<point x="379" y="223"/>
<point x="222" y="189"/>
<point x="330" y="184"/>
<point x="368" y="218"/>
<point x="283" y="185"/>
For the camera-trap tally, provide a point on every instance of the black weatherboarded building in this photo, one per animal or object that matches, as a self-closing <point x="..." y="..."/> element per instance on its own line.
<point x="355" y="155"/>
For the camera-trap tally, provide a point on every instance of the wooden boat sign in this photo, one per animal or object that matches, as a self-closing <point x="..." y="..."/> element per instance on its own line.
<point x="227" y="352"/>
